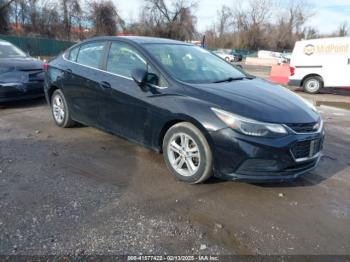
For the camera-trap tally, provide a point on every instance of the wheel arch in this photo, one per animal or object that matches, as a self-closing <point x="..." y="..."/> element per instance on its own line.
<point x="181" y="118"/>
<point x="50" y="91"/>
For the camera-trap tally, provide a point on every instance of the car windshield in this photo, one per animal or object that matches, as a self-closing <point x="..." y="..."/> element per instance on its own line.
<point x="8" y="50"/>
<point x="193" y="64"/>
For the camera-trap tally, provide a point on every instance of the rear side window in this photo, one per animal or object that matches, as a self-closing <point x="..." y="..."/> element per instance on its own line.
<point x="91" y="54"/>
<point x="123" y="59"/>
<point x="73" y="54"/>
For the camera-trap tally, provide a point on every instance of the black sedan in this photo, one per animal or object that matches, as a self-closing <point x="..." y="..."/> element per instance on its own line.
<point x="206" y="116"/>
<point x="21" y="77"/>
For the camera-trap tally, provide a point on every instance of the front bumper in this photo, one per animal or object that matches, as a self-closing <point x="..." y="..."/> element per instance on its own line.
<point x="20" y="91"/>
<point x="256" y="159"/>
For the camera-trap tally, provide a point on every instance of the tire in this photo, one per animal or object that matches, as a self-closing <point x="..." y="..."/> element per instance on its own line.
<point x="60" y="110"/>
<point x="313" y="84"/>
<point x="190" y="142"/>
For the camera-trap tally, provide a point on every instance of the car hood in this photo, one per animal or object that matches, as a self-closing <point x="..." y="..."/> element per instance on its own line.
<point x="26" y="63"/>
<point x="257" y="99"/>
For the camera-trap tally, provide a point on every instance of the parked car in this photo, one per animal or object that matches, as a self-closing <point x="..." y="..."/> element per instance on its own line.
<point x="228" y="57"/>
<point x="204" y="115"/>
<point x="237" y="57"/>
<point x="319" y="63"/>
<point x="21" y="76"/>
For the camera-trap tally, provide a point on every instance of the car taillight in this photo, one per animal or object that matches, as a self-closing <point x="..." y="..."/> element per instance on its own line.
<point x="292" y="70"/>
<point x="45" y="66"/>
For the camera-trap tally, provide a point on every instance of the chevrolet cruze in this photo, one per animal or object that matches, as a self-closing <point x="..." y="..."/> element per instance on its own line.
<point x="206" y="116"/>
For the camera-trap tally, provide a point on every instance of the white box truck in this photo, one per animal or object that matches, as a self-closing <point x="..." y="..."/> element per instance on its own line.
<point x="320" y="63"/>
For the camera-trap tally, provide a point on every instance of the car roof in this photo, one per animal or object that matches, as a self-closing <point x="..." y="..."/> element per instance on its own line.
<point x="141" y="40"/>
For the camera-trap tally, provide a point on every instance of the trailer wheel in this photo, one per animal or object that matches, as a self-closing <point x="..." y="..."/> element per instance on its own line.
<point x="313" y="84"/>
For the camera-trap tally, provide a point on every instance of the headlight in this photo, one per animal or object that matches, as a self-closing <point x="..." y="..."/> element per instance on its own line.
<point x="250" y="127"/>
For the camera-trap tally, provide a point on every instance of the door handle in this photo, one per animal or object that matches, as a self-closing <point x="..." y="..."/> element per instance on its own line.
<point x="105" y="85"/>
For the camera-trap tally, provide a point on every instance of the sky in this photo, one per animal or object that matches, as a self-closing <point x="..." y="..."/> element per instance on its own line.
<point x="328" y="14"/>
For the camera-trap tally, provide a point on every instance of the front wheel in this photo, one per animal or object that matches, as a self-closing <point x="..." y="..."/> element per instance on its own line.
<point x="187" y="153"/>
<point x="313" y="84"/>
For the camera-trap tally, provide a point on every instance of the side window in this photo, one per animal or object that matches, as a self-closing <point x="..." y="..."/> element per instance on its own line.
<point x="73" y="54"/>
<point x="91" y="54"/>
<point x="123" y="59"/>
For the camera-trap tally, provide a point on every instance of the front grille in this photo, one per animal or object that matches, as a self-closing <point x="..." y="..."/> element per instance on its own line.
<point x="304" y="127"/>
<point x="306" y="149"/>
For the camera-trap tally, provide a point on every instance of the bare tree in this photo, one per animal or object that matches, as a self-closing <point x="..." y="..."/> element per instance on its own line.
<point x="224" y="20"/>
<point x="310" y="33"/>
<point x="71" y="10"/>
<point x="49" y="20"/>
<point x="5" y="4"/>
<point x="250" y="22"/>
<point x="343" y="29"/>
<point x="105" y="18"/>
<point x="4" y="15"/>
<point x="19" y="11"/>
<point x="175" y="20"/>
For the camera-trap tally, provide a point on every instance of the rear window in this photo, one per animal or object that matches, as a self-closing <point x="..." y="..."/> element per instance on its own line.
<point x="73" y="54"/>
<point x="91" y="54"/>
<point x="8" y="50"/>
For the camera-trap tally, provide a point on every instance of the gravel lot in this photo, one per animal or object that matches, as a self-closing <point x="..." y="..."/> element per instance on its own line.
<point x="82" y="191"/>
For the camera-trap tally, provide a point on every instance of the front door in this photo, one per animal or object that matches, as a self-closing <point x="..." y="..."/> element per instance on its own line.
<point x="125" y="107"/>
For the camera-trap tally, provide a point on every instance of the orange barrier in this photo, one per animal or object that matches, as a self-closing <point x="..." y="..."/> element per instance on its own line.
<point x="279" y="74"/>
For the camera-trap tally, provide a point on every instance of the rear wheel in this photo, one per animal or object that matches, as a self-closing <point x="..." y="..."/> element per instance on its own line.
<point x="187" y="153"/>
<point x="313" y="84"/>
<point x="60" y="110"/>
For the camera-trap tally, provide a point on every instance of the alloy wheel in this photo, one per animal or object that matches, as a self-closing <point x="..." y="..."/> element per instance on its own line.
<point x="184" y="155"/>
<point x="58" y="109"/>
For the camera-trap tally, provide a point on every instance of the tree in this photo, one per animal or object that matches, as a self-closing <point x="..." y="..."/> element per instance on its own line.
<point x="310" y="33"/>
<point x="343" y="29"/>
<point x="224" y="20"/>
<point x="250" y="22"/>
<point x="175" y="20"/>
<point x="4" y="15"/>
<point x="105" y="18"/>
<point x="71" y="10"/>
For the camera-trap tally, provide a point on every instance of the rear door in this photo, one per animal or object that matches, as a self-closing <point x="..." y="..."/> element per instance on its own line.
<point x="83" y="86"/>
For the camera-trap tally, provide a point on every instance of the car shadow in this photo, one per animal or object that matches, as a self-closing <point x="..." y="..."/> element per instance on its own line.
<point x="23" y="103"/>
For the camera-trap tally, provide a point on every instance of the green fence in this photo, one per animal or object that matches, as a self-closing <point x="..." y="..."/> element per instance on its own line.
<point x="38" y="46"/>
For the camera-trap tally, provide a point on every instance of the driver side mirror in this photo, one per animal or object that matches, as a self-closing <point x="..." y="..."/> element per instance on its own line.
<point x="139" y="76"/>
<point x="142" y="77"/>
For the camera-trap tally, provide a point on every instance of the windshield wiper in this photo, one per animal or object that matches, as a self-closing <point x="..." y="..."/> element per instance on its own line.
<point x="229" y="79"/>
